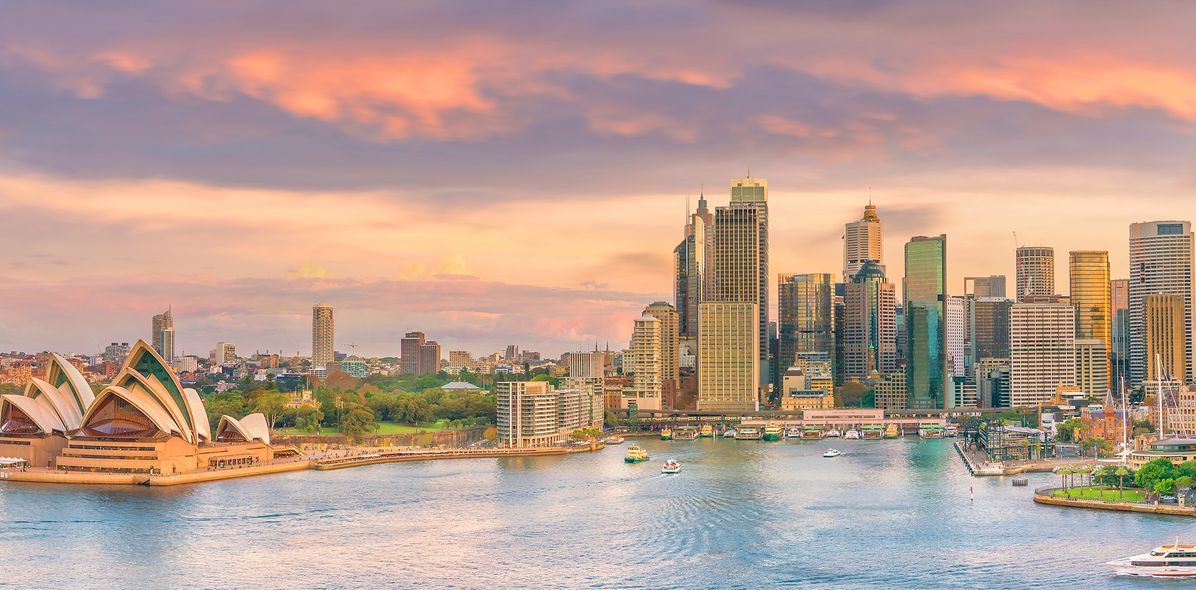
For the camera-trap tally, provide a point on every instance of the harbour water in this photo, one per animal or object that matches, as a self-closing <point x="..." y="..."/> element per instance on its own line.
<point x="888" y="513"/>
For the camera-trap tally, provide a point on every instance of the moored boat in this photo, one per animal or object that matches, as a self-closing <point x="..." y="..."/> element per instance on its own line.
<point x="811" y="432"/>
<point x="793" y="432"/>
<point x="772" y="433"/>
<point x="707" y="431"/>
<point x="833" y="433"/>
<point x="636" y="454"/>
<point x="872" y="431"/>
<point x="891" y="431"/>
<point x="852" y="434"/>
<point x="730" y="433"/>
<point x="951" y="431"/>
<point x="671" y="466"/>
<point x="686" y="433"/>
<point x="666" y="433"/>
<point x="748" y="433"/>
<point x="1166" y="561"/>
<point x="930" y="430"/>
<point x="613" y="440"/>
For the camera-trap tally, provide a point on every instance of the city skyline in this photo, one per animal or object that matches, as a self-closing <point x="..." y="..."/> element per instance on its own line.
<point x="289" y="177"/>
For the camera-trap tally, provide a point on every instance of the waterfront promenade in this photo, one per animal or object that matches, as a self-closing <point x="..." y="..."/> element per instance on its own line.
<point x="978" y="464"/>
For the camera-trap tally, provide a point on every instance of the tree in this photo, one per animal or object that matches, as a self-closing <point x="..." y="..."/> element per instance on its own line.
<point x="1122" y="472"/>
<point x="307" y="418"/>
<point x="1184" y="482"/>
<point x="356" y="421"/>
<point x="1188" y="468"/>
<point x="1063" y="472"/>
<point x="272" y="405"/>
<point x="1153" y="472"/>
<point x="1164" y="486"/>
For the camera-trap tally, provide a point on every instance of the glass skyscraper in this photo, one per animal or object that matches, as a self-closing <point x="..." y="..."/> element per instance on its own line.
<point x="925" y="292"/>
<point x="805" y="315"/>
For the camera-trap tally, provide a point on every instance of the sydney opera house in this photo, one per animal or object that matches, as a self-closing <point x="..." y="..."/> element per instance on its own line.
<point x="144" y="421"/>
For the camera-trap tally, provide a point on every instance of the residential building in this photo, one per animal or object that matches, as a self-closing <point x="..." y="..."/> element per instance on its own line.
<point x="642" y="362"/>
<point x="863" y="241"/>
<point x="1161" y="260"/>
<point x="534" y="414"/>
<point x="925" y="293"/>
<point x="225" y="353"/>
<point x="1090" y="294"/>
<point x="1035" y="271"/>
<point x="1164" y="337"/>
<point x="321" y="336"/>
<point x="728" y="361"/>
<point x="116" y="352"/>
<point x="670" y="366"/>
<point x="1041" y="350"/>
<point x="162" y="334"/>
<point x="587" y="365"/>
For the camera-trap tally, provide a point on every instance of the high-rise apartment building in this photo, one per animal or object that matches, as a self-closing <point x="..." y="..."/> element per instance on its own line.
<point x="805" y="316"/>
<point x="1089" y="274"/>
<point x="162" y="334"/>
<point x="1119" y="290"/>
<point x="691" y="268"/>
<point x="224" y="354"/>
<point x="869" y="331"/>
<point x="1164" y="338"/>
<point x="534" y="414"/>
<point x="925" y="295"/>
<point x="418" y="355"/>
<point x="729" y="362"/>
<point x="642" y="361"/>
<point x="670" y="365"/>
<point x="587" y="364"/>
<point x="862" y="242"/>
<point x="1161" y="260"/>
<point x="1092" y="366"/>
<point x="1035" y="267"/>
<point x="741" y="270"/>
<point x="1041" y="350"/>
<point x="321" y="336"/>
<point x="955" y="325"/>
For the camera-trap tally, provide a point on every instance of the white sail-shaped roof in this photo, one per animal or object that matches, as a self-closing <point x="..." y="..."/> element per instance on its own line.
<point x="199" y="415"/>
<point x="144" y="402"/>
<point x="38" y="411"/>
<point x="64" y="376"/>
<point x="62" y="403"/>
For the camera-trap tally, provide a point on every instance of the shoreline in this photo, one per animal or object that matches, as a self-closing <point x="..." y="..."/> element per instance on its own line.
<point x="1043" y="496"/>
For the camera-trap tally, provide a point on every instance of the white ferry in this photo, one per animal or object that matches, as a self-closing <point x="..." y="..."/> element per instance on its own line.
<point x="852" y="434"/>
<point x="1167" y="561"/>
<point x="793" y="432"/>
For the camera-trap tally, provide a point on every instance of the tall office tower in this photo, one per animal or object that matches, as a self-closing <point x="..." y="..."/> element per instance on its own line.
<point x="862" y="242"/>
<point x="728" y="345"/>
<point x="991" y="327"/>
<point x="1042" y="353"/>
<point x="691" y="270"/>
<point x="1092" y="365"/>
<point x="409" y="352"/>
<point x="869" y="331"/>
<point x="925" y="292"/>
<point x="511" y="353"/>
<point x="955" y="327"/>
<point x="805" y="316"/>
<point x="1161" y="259"/>
<point x="643" y="363"/>
<point x="321" y="335"/>
<point x="1119" y="291"/>
<point x="1035" y="271"/>
<point x="587" y="365"/>
<point x="990" y="286"/>
<point x="1164" y="338"/>
<point x="902" y="343"/>
<point x="670" y="365"/>
<point x="429" y="358"/>
<point x="748" y="264"/>
<point x="162" y="334"/>
<point x="1089" y="274"/>
<point x="837" y="362"/>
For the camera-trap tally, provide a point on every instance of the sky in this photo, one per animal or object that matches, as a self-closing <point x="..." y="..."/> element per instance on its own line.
<point x="517" y="172"/>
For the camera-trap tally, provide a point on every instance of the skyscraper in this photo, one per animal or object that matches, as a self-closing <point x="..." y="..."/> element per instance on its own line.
<point x="1089" y="273"/>
<point x="1035" y="271"/>
<point x="752" y="194"/>
<point x="925" y="292"/>
<point x="670" y="367"/>
<point x="990" y="323"/>
<point x="729" y="362"/>
<point x="955" y="326"/>
<point x="869" y="330"/>
<point x="1161" y="254"/>
<point x="1119" y="290"/>
<point x="990" y="286"/>
<point x="321" y="335"/>
<point x="162" y="334"/>
<point x="1041" y="350"/>
<point x="419" y="356"/>
<point x="862" y="242"/>
<point x="643" y="363"/>
<point x="691" y="268"/>
<point x="1164" y="341"/>
<point x="805" y="316"/>
<point x="1092" y="365"/>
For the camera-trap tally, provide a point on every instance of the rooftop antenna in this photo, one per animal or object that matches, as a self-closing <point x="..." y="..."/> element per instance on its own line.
<point x="869" y="195"/>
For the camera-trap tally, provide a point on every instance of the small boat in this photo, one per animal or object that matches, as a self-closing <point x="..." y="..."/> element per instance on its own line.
<point x="729" y="433"/>
<point x="686" y="433"/>
<point x="793" y="432"/>
<point x="951" y="431"/>
<point x="833" y="433"/>
<point x="832" y="453"/>
<point x="748" y="433"/>
<point x="666" y="433"/>
<point x="636" y="454"/>
<point x="707" y="431"/>
<point x="891" y="431"/>
<point x="613" y="440"/>
<point x="671" y="466"/>
<point x="852" y="434"/>
<point x="1167" y="561"/>
<point x="1021" y="482"/>
<point x="773" y="433"/>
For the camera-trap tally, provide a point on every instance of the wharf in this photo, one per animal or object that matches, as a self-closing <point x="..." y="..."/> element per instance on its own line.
<point x="431" y="454"/>
<point x="1044" y="496"/>
<point x="979" y="467"/>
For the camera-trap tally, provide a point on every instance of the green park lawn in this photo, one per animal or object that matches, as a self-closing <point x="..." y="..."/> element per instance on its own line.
<point x="1107" y="495"/>
<point x="384" y="428"/>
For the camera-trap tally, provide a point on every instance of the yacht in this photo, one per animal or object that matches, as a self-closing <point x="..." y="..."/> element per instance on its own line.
<point x="748" y="433"/>
<point x="793" y="432"/>
<point x="636" y="454"/>
<point x="833" y="433"/>
<point x="729" y="433"/>
<point x="707" y="431"/>
<point x="830" y="453"/>
<point x="666" y="433"/>
<point x="671" y="466"/>
<point x="614" y="440"/>
<point x="852" y="434"/>
<point x="1167" y="561"/>
<point x="773" y="432"/>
